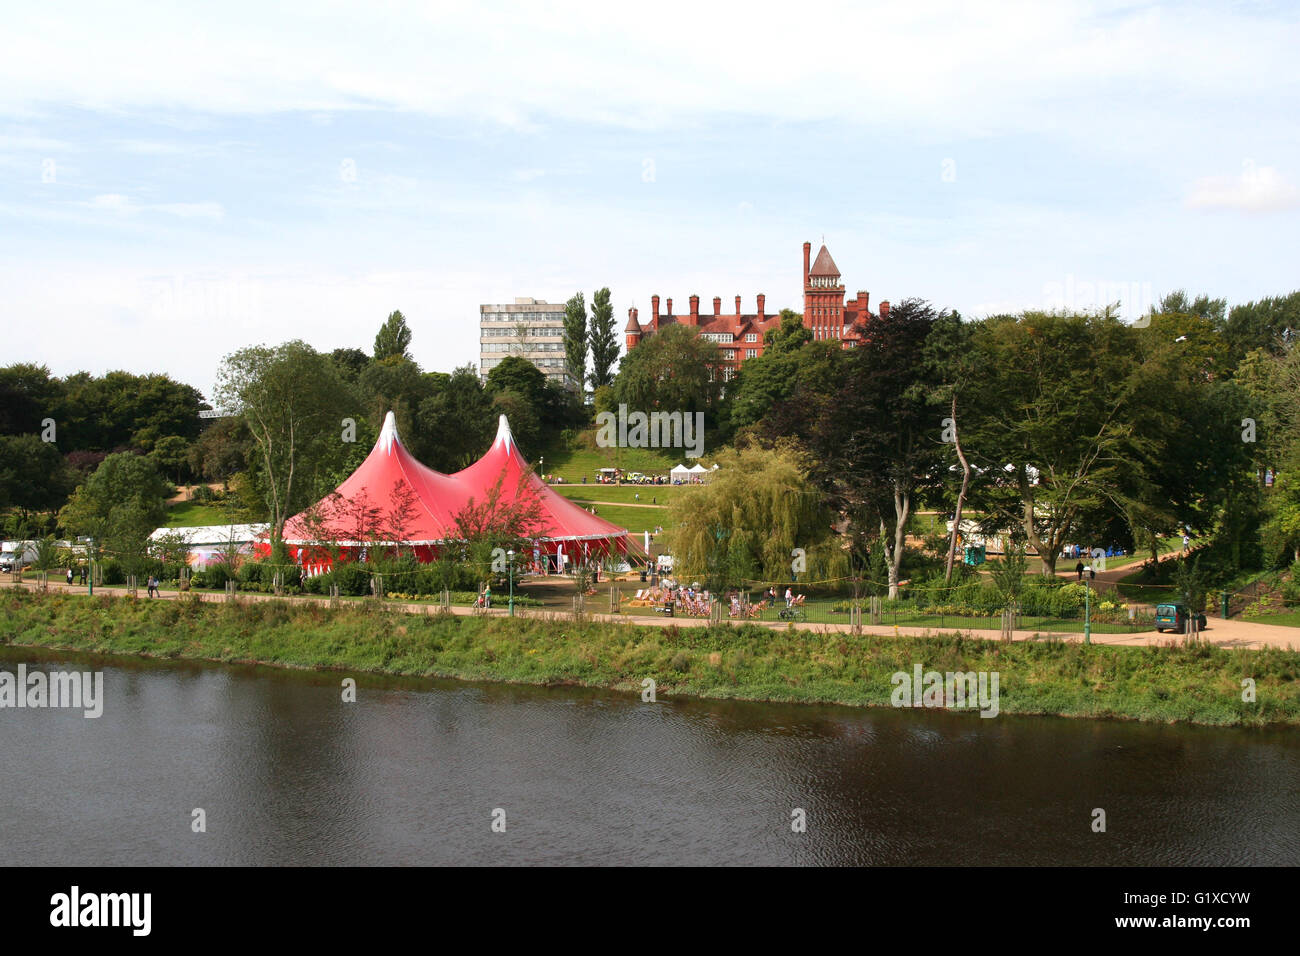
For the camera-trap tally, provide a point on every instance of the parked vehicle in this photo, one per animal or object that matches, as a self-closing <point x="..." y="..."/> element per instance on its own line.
<point x="1174" y="617"/>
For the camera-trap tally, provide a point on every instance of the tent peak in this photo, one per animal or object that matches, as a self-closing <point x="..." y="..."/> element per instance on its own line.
<point x="388" y="436"/>
<point x="503" y="433"/>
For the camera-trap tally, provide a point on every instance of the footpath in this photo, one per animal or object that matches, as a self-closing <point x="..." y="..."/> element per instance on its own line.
<point x="1227" y="634"/>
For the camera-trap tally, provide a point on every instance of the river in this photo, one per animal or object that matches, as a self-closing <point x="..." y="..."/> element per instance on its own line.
<point x="287" y="773"/>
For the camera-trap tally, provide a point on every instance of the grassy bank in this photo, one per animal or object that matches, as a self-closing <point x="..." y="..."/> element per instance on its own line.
<point x="1198" y="685"/>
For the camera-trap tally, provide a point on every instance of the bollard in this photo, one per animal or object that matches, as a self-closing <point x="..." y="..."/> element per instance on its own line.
<point x="1223" y="598"/>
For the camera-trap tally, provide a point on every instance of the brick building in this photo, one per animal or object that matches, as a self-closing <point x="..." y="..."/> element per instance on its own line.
<point x="739" y="335"/>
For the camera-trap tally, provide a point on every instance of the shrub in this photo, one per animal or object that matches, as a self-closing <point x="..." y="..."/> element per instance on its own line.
<point x="112" y="571"/>
<point x="352" y="579"/>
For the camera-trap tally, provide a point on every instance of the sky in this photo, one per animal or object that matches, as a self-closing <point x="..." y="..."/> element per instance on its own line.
<point x="180" y="180"/>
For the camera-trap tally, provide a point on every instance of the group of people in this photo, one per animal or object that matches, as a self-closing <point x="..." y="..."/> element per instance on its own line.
<point x="83" y="575"/>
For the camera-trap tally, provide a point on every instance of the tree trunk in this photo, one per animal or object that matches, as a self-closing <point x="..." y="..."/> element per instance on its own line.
<point x="961" y="496"/>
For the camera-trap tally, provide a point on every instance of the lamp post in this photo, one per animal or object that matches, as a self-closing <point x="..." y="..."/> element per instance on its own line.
<point x="511" y="556"/>
<point x="90" y="565"/>
<point x="1087" y="606"/>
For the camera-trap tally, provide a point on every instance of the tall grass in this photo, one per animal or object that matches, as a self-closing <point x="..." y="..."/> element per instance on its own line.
<point x="1197" y="684"/>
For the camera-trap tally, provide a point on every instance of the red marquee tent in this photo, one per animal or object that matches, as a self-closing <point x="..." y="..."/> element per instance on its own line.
<point x="390" y="470"/>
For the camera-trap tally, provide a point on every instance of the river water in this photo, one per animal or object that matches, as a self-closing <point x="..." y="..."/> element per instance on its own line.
<point x="287" y="773"/>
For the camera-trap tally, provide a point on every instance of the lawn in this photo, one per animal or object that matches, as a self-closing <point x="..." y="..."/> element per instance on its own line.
<point x="622" y="494"/>
<point x="575" y="464"/>
<point x="187" y="514"/>
<point x="1282" y="619"/>
<point x="634" y="519"/>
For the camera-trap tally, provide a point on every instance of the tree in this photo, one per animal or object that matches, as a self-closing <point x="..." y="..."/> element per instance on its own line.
<point x="172" y="455"/>
<point x="1268" y="323"/>
<point x="1054" y="427"/>
<point x="876" y="445"/>
<point x="748" y="519"/>
<point x="350" y="363"/>
<point x="398" y="385"/>
<point x="33" y="475"/>
<point x="393" y="338"/>
<point x="671" y="370"/>
<point x="518" y="375"/>
<point x="790" y="357"/>
<point x="497" y="521"/>
<point x="28" y="395"/>
<point x="604" y="340"/>
<point x="293" y="402"/>
<point x="575" y="339"/>
<point x="457" y="422"/>
<point x="119" y="506"/>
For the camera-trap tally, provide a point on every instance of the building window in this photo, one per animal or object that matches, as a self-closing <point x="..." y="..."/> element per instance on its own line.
<point x="751" y="353"/>
<point x="751" y="336"/>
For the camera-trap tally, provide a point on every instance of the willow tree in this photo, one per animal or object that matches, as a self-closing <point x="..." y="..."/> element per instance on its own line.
<point x="757" y="519"/>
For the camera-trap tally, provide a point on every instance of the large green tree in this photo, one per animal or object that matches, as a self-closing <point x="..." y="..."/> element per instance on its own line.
<point x="119" y="506"/>
<point x="575" y="339"/>
<point x="670" y="371"/>
<point x="877" y="442"/>
<point x="294" y="404"/>
<point x="393" y="338"/>
<point x="1054" y="430"/>
<point x="33" y="475"/>
<point x="604" y="339"/>
<point x="457" y="422"/>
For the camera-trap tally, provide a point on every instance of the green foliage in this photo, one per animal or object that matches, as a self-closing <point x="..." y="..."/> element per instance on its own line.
<point x="575" y="338"/>
<point x="294" y="402"/>
<point x="604" y="340"/>
<point x="119" y="505"/>
<point x="747" y="520"/>
<point x="669" y="370"/>
<point x="393" y="338"/>
<point x="33" y="475"/>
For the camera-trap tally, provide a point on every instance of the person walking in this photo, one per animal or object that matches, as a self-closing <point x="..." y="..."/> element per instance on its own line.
<point x="487" y="595"/>
<point x="69" y="575"/>
<point x="84" y="574"/>
<point x="1078" y="571"/>
<point x="1092" y="573"/>
<point x="789" y="598"/>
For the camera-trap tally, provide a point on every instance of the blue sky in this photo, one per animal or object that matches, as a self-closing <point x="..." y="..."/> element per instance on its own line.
<point x="179" y="181"/>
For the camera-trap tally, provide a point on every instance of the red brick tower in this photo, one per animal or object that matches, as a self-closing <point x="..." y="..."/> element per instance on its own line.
<point x="633" y="330"/>
<point x="823" y="295"/>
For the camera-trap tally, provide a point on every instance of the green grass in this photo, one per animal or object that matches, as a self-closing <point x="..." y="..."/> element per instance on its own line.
<point x="623" y="494"/>
<point x="1197" y="684"/>
<point x="1282" y="619"/>
<point x="186" y="514"/>
<point x="575" y="464"/>
<point x="634" y="519"/>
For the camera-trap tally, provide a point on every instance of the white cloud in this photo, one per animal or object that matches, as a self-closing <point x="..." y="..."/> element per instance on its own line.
<point x="1257" y="189"/>
<point x="948" y="66"/>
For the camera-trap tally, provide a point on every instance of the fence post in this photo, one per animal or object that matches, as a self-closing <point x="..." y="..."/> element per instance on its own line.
<point x="334" y="595"/>
<point x="446" y="600"/>
<point x="613" y="600"/>
<point x="277" y="583"/>
<point x="130" y="585"/>
<point x="230" y="591"/>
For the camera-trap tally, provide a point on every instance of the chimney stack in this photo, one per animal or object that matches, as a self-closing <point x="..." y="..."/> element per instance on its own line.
<point x="761" y="299"/>
<point x="670" y="307"/>
<point x="807" y="253"/>
<point x="864" y="298"/>
<point x="717" y="305"/>
<point x="737" y="305"/>
<point x="695" y="310"/>
<point x="884" y="308"/>
<point x="654" y="304"/>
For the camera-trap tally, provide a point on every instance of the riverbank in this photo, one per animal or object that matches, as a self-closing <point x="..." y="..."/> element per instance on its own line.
<point x="1201" y="684"/>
